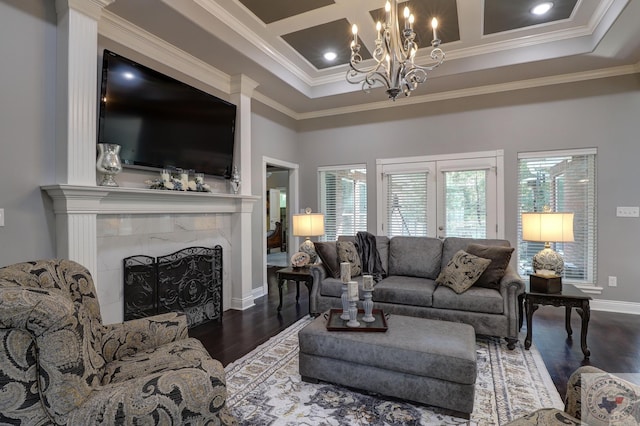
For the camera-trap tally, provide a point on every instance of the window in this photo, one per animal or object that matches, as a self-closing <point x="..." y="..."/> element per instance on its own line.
<point x="456" y="195"/>
<point x="343" y="200"/>
<point x="565" y="181"/>
<point x="406" y="207"/>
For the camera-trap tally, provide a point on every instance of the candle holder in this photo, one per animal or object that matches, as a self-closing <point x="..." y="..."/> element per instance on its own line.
<point x="353" y="314"/>
<point x="345" y="302"/>
<point x="368" y="306"/>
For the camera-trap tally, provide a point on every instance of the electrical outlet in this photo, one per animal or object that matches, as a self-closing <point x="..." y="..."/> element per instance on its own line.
<point x="628" y="211"/>
<point x="613" y="281"/>
<point x="1" y="217"/>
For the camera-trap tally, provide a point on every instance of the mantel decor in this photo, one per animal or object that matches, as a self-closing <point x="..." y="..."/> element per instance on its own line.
<point x="179" y="180"/>
<point x="108" y="163"/>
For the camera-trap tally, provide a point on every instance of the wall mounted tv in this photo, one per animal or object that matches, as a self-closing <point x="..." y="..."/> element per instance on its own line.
<point x="161" y="122"/>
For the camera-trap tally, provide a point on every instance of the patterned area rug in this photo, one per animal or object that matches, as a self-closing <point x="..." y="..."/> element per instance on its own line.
<point x="265" y="389"/>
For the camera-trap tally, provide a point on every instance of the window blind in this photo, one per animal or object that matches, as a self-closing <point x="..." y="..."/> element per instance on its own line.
<point x="343" y="200"/>
<point x="566" y="182"/>
<point x="407" y="195"/>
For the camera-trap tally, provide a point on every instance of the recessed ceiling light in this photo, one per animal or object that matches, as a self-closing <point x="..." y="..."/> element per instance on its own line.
<point x="330" y="56"/>
<point x="542" y="8"/>
<point x="128" y="75"/>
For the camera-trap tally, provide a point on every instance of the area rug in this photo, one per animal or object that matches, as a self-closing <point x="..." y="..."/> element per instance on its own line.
<point x="264" y="388"/>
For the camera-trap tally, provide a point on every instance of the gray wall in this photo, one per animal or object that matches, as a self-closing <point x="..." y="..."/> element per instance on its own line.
<point x="27" y="128"/>
<point x="273" y="135"/>
<point x="601" y="113"/>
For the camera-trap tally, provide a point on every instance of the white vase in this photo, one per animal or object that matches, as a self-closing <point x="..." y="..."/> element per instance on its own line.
<point x="108" y="163"/>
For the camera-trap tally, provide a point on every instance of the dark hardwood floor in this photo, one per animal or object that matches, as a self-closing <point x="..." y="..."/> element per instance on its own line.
<point x="613" y="338"/>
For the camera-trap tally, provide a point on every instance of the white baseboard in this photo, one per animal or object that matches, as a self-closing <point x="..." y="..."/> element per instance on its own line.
<point x="615" y="306"/>
<point x="258" y="292"/>
<point x="242" y="304"/>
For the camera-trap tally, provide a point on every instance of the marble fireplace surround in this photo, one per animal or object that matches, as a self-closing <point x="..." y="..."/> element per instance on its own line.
<point x="99" y="226"/>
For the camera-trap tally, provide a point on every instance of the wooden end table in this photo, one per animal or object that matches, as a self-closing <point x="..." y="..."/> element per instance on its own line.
<point x="571" y="297"/>
<point x="294" y="274"/>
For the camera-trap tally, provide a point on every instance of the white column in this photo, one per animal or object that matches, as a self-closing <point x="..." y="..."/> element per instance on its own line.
<point x="242" y="298"/>
<point x="76" y="104"/>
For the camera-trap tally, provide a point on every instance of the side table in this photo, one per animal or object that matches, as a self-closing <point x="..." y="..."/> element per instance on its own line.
<point x="570" y="298"/>
<point x="294" y="274"/>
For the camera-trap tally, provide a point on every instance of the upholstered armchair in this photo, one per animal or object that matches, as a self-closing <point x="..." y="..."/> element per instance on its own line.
<point x="610" y="399"/>
<point x="60" y="365"/>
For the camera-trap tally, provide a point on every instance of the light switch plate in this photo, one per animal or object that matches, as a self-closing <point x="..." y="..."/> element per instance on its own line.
<point x="1" y="217"/>
<point x="628" y="211"/>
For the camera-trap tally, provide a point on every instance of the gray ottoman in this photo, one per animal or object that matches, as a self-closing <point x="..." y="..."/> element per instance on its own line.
<point x="427" y="361"/>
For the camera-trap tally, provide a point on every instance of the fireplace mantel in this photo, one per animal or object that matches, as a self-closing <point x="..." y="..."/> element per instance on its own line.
<point x="77" y="208"/>
<point x="78" y="199"/>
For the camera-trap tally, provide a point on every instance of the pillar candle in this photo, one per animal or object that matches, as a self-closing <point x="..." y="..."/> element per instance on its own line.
<point x="367" y="282"/>
<point x="345" y="272"/>
<point x="353" y="291"/>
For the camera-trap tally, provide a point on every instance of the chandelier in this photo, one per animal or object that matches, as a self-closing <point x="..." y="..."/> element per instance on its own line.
<point x="394" y="56"/>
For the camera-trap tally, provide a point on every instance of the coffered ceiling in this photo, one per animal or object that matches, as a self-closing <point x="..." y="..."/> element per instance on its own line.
<point x="490" y="45"/>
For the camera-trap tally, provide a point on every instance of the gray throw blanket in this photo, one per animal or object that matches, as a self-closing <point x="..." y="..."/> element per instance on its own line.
<point x="369" y="257"/>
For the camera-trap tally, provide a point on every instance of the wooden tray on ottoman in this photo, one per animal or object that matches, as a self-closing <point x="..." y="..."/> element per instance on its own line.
<point x="335" y="323"/>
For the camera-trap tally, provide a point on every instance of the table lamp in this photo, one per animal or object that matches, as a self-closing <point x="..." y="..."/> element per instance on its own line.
<point x="547" y="227"/>
<point x="308" y="225"/>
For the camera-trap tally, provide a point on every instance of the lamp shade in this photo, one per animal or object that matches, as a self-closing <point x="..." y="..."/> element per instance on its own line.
<point x="547" y="227"/>
<point x="308" y="225"/>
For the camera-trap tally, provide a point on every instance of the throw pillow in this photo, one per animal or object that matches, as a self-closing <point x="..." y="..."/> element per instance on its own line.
<point x="347" y="252"/>
<point x="328" y="254"/>
<point x="462" y="271"/>
<point x="499" y="256"/>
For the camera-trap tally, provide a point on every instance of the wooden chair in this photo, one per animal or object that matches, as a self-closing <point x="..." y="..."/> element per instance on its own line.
<point x="274" y="237"/>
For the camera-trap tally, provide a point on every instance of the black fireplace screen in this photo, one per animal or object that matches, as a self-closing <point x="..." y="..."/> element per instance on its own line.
<point x="189" y="280"/>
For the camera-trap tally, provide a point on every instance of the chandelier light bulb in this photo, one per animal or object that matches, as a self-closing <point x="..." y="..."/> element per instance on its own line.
<point x="434" y="25"/>
<point x="406" y="12"/>
<point x="387" y="7"/>
<point x="354" y="30"/>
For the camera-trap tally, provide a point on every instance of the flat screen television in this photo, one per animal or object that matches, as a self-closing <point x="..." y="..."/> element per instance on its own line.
<point x="160" y="122"/>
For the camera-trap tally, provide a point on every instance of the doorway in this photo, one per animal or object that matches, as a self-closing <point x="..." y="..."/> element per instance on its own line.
<point x="280" y="195"/>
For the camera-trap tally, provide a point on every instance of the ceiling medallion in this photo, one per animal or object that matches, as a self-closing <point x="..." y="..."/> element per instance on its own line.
<point x="394" y="55"/>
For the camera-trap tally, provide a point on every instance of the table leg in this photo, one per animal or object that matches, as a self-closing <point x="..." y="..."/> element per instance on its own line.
<point x="297" y="291"/>
<point x="585" y="314"/>
<point x="530" y="308"/>
<point x="567" y="320"/>
<point x="280" y="284"/>
<point x="309" y="284"/>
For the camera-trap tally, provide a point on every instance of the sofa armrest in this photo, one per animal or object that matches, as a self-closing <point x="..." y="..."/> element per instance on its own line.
<point x="141" y="334"/>
<point x="511" y="287"/>
<point x="318" y="273"/>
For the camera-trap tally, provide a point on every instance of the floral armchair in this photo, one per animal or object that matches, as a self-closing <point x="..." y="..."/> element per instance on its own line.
<point x="609" y="400"/>
<point x="60" y="365"/>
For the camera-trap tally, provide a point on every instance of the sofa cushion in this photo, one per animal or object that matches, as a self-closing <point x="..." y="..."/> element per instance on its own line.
<point x="347" y="252"/>
<point x="476" y="299"/>
<point x="332" y="287"/>
<point x="404" y="291"/>
<point x="452" y="245"/>
<point x="462" y="271"/>
<point x="328" y="253"/>
<point x="382" y="245"/>
<point x="415" y="257"/>
<point x="499" y="256"/>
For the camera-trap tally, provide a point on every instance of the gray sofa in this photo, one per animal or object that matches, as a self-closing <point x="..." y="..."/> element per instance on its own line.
<point x="409" y="288"/>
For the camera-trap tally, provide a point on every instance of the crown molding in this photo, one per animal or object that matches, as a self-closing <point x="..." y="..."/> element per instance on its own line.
<point x="476" y="91"/>
<point x="121" y="31"/>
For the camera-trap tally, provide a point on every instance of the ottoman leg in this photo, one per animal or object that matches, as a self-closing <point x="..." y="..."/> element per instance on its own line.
<point x="511" y="343"/>
<point x="310" y="380"/>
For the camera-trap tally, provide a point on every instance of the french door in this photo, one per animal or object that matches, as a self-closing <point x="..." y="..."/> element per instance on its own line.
<point x="457" y="196"/>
